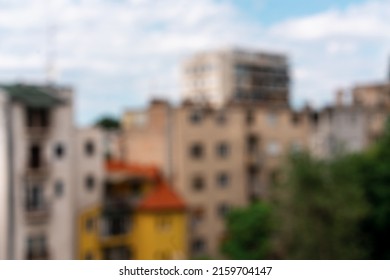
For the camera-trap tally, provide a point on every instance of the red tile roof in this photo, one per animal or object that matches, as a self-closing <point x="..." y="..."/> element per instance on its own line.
<point x="162" y="198"/>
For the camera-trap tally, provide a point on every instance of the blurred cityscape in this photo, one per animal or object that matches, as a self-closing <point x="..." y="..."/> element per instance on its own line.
<point x="169" y="181"/>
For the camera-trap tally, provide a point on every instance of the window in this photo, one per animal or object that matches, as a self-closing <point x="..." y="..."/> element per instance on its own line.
<point x="273" y="148"/>
<point x="250" y="117"/>
<point x="198" y="215"/>
<point x="222" y="150"/>
<point x="222" y="210"/>
<point x="196" y="116"/>
<point x="59" y="150"/>
<point x="295" y="118"/>
<point x="198" y="246"/>
<point x="252" y="144"/>
<point x="163" y="223"/>
<point x="115" y="224"/>
<point x="117" y="253"/>
<point x="37" y="117"/>
<point x="88" y="256"/>
<point x="90" y="182"/>
<point x="59" y="188"/>
<point x="296" y="146"/>
<point x="198" y="183"/>
<point x="197" y="151"/>
<point x="89" y="224"/>
<point x="89" y="148"/>
<point x="35" y="159"/>
<point x="223" y="179"/>
<point x="221" y="118"/>
<point x="36" y="247"/>
<point x="34" y="197"/>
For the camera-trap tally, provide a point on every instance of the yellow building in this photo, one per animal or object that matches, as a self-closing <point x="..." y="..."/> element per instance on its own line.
<point x="138" y="217"/>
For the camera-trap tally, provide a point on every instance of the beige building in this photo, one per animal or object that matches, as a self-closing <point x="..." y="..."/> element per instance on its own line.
<point x="218" y="158"/>
<point x="233" y="74"/>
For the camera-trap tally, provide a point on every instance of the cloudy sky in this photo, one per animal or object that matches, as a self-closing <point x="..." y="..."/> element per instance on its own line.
<point x="117" y="54"/>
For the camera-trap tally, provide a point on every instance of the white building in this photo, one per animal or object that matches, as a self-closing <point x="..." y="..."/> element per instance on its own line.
<point x="236" y="75"/>
<point x="47" y="169"/>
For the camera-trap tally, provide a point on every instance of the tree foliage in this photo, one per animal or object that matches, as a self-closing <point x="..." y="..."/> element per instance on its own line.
<point x="320" y="209"/>
<point x="108" y="123"/>
<point x="249" y="232"/>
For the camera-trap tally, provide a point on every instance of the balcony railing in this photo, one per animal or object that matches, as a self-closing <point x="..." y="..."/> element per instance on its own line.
<point x="37" y="213"/>
<point x="38" y="132"/>
<point x="255" y="158"/>
<point x="40" y="171"/>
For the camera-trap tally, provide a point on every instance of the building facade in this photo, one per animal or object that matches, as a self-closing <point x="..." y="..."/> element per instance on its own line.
<point x="37" y="190"/>
<point x="220" y="158"/>
<point x="232" y="74"/>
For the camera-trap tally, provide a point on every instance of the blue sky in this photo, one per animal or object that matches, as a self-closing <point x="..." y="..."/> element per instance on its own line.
<point x="269" y="12"/>
<point x="119" y="54"/>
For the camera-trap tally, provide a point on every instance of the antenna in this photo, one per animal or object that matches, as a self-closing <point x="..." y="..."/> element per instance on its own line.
<point x="50" y="54"/>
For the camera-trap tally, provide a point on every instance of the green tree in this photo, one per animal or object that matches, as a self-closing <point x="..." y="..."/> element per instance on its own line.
<point x="249" y="233"/>
<point x="374" y="176"/>
<point x="319" y="206"/>
<point x="108" y="122"/>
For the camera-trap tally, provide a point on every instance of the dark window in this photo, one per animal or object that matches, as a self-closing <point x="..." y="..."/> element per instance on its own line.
<point x="197" y="151"/>
<point x="59" y="150"/>
<point x="196" y="116"/>
<point x="198" y="183"/>
<point x="223" y="179"/>
<point x="35" y="156"/>
<point x="295" y="119"/>
<point x="198" y="246"/>
<point x="90" y="182"/>
<point x="117" y="253"/>
<point x="89" y="148"/>
<point x="197" y="216"/>
<point x="222" y="150"/>
<point x="36" y="247"/>
<point x="88" y="256"/>
<point x="250" y="117"/>
<point x="252" y="144"/>
<point x="38" y="117"/>
<point x="115" y="224"/>
<point x="34" y="198"/>
<point x="222" y="210"/>
<point x="221" y="118"/>
<point x="89" y="224"/>
<point x="59" y="188"/>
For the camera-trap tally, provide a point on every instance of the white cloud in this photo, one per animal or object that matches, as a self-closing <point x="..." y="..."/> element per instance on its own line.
<point x="130" y="50"/>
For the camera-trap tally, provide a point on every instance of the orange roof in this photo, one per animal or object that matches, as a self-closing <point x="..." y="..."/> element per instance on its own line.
<point x="162" y="198"/>
<point x="132" y="169"/>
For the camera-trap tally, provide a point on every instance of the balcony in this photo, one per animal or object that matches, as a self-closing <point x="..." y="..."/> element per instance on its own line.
<point x="254" y="159"/>
<point x="37" y="213"/>
<point x="38" y="132"/>
<point x="38" y="171"/>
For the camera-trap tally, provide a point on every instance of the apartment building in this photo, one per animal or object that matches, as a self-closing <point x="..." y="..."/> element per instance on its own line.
<point x="37" y="191"/>
<point x="220" y="158"/>
<point x="351" y="127"/>
<point x="232" y="74"/>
